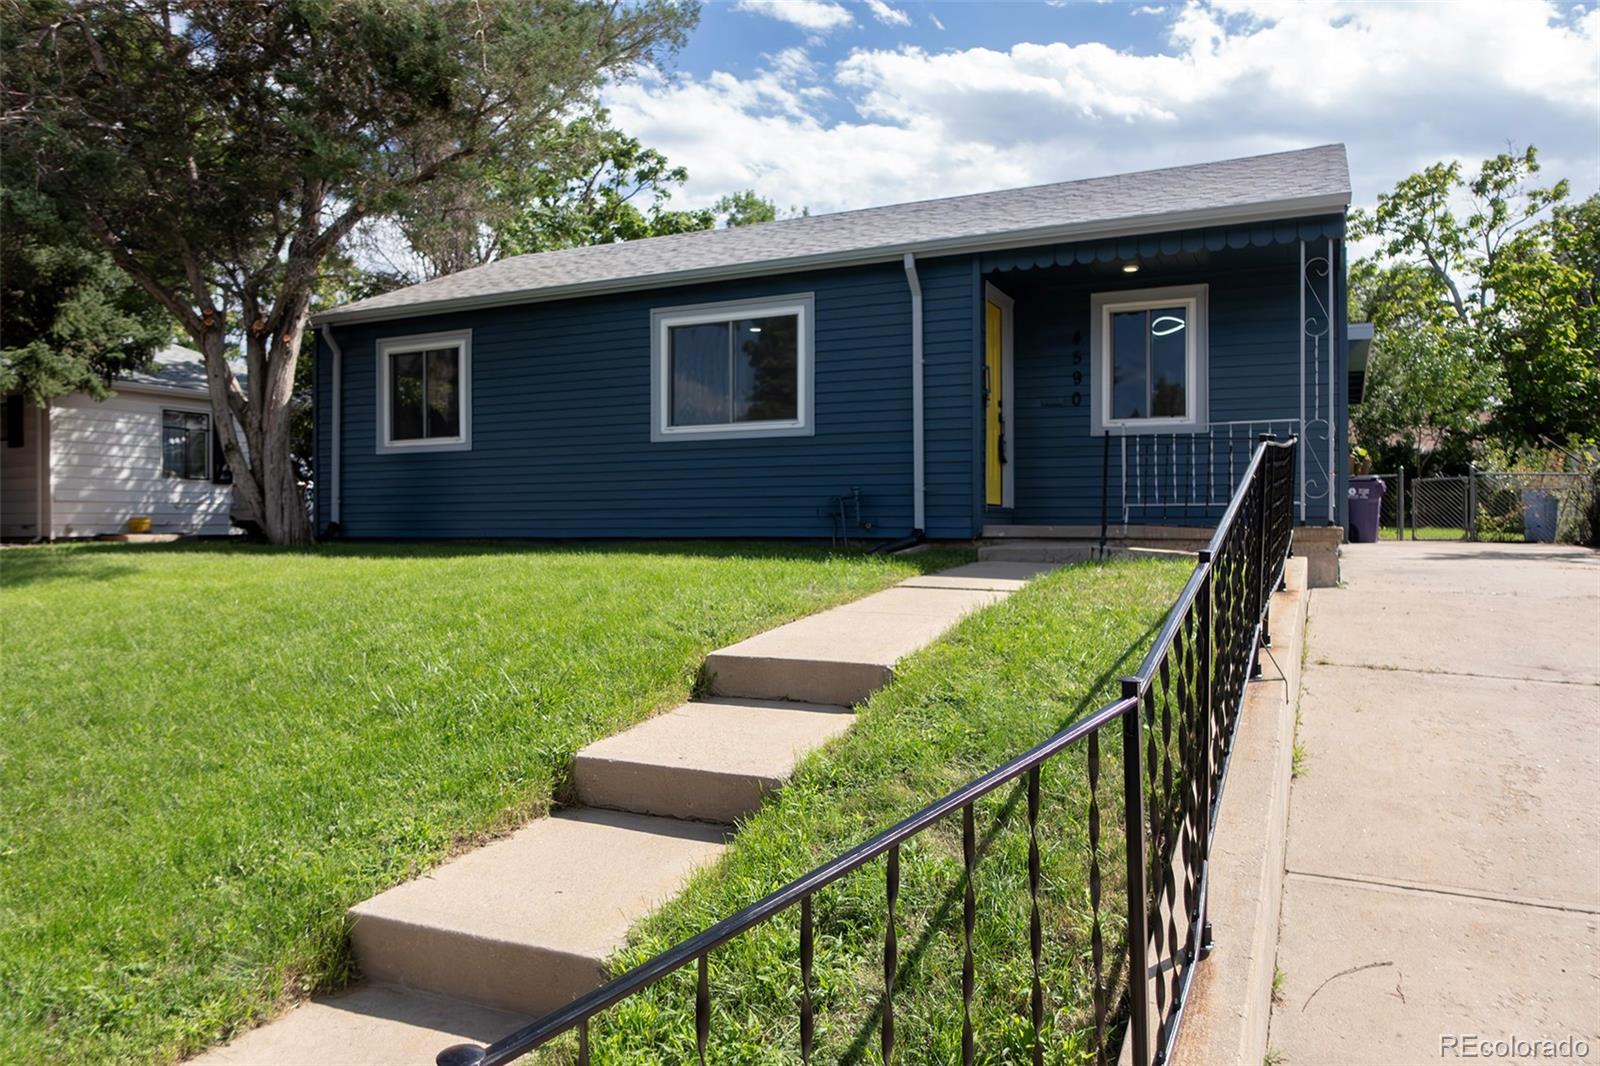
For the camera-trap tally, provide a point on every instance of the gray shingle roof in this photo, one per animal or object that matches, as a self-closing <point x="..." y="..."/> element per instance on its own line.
<point x="1309" y="180"/>
<point x="175" y="367"/>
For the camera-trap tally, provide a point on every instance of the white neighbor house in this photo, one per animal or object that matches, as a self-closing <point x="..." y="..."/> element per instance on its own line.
<point x="81" y="467"/>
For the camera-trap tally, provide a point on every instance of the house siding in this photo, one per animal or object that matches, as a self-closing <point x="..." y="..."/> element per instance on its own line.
<point x="19" y="477"/>
<point x="561" y="402"/>
<point x="1253" y="375"/>
<point x="561" y="423"/>
<point x="105" y="467"/>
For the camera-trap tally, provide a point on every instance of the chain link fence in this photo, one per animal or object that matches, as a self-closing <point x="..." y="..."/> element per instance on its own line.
<point x="1490" y="505"/>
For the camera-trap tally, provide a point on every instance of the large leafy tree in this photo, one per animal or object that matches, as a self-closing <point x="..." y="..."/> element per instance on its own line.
<point x="70" y="321"/>
<point x="1545" y="328"/>
<point x="221" y="152"/>
<point x="1427" y="384"/>
<point x="1483" y="300"/>
<point x="594" y="185"/>
<point x="612" y="188"/>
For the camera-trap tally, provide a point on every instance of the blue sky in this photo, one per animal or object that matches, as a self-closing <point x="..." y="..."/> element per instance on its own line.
<point x="836" y="104"/>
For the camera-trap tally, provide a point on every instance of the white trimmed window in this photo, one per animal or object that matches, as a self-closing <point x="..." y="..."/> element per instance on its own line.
<point x="185" y="445"/>
<point x="732" y="370"/>
<point x="1150" y="350"/>
<point x="425" y="393"/>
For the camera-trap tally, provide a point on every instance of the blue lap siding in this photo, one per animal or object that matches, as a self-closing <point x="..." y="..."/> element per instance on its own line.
<point x="1253" y="375"/>
<point x="561" y="402"/>
<point x="561" y="423"/>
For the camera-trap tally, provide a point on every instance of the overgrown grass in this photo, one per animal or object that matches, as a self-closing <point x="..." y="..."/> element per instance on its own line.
<point x="208" y="752"/>
<point x="1006" y="679"/>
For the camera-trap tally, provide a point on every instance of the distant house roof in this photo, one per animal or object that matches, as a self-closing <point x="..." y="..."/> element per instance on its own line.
<point x="1281" y="185"/>
<point x="175" y="368"/>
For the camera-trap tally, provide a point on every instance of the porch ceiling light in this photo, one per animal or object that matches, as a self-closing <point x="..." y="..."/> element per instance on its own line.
<point x="1166" y="325"/>
<point x="1130" y="268"/>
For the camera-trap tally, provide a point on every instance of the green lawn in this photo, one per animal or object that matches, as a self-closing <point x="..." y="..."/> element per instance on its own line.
<point x="208" y="752"/>
<point x="1006" y="679"/>
<point x="1488" y="534"/>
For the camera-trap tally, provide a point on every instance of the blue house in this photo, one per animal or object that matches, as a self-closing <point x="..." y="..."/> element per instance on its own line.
<point x="1047" y="361"/>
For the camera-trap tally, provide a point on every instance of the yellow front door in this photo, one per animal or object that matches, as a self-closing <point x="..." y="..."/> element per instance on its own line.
<point x="994" y="391"/>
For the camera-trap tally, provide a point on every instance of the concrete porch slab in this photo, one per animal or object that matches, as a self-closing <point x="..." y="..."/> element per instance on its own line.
<point x="374" y="1025"/>
<point x="526" y="923"/>
<point x="710" y="760"/>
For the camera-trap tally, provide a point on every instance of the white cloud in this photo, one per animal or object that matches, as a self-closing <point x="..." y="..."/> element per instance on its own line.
<point x="935" y="20"/>
<point x="819" y="16"/>
<point x="889" y="16"/>
<point x="1401" y="85"/>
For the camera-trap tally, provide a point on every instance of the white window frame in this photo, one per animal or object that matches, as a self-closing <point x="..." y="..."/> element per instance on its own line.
<point x="662" y="319"/>
<point x="1102" y="305"/>
<point x="181" y="410"/>
<point x="385" y="347"/>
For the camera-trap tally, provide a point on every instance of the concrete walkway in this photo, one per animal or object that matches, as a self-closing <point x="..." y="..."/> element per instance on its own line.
<point x="1443" y="885"/>
<point x="521" y="926"/>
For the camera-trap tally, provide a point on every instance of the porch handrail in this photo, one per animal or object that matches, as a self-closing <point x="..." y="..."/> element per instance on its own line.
<point x="1188" y="473"/>
<point x="1195" y="671"/>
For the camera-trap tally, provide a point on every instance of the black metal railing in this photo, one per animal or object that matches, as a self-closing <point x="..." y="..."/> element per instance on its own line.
<point x="1176" y="716"/>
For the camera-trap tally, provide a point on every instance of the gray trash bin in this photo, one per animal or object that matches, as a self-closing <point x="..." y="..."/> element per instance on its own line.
<point x="1539" y="516"/>
<point x="1366" y="504"/>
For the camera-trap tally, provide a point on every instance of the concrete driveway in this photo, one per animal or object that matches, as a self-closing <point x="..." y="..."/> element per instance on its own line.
<point x="1443" y="887"/>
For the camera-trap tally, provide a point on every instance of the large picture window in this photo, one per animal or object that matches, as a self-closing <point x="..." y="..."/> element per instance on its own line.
<point x="739" y="369"/>
<point x="1150" y="350"/>
<point x="424" y="392"/>
<point x="186" y="445"/>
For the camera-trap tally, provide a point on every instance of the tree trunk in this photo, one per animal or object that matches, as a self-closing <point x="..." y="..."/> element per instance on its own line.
<point x="287" y="520"/>
<point x="255" y="435"/>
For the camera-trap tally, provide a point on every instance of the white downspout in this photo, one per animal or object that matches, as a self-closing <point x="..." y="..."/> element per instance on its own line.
<point x="918" y="505"/>
<point x="333" y="456"/>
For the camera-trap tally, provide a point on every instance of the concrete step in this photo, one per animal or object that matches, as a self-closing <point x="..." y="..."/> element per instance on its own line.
<point x="373" y="1025"/>
<point x="1040" y="551"/>
<point x="526" y="923"/>
<point x="841" y="656"/>
<point x="1063" y="552"/>
<point x="711" y="760"/>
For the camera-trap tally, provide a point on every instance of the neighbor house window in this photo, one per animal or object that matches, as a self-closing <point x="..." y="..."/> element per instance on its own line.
<point x="186" y="445"/>
<point x="425" y="393"/>
<point x="738" y="369"/>
<point x="1150" y="350"/>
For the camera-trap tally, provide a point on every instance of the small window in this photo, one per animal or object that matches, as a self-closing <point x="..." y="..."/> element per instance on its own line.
<point x="740" y="369"/>
<point x="424" y="393"/>
<point x="186" y="445"/>
<point x="1151" y="360"/>
<point x="14" y="413"/>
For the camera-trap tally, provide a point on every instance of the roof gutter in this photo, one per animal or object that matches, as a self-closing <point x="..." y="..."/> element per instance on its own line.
<point x="1082" y="231"/>
<point x="333" y="419"/>
<point x="918" y="501"/>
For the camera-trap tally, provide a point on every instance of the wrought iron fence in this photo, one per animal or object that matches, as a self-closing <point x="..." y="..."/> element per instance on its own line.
<point x="1184" y="475"/>
<point x="1176" y="717"/>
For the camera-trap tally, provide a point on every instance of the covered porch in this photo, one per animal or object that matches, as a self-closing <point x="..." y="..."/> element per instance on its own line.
<point x="1126" y="382"/>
